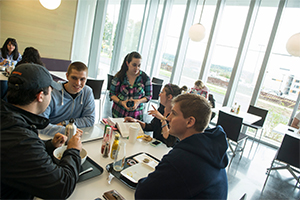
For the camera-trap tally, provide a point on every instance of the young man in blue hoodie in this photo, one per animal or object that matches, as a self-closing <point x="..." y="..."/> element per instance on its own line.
<point x="73" y="100"/>
<point x="195" y="167"/>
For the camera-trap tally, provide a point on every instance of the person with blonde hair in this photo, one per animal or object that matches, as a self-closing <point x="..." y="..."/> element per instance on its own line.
<point x="200" y="89"/>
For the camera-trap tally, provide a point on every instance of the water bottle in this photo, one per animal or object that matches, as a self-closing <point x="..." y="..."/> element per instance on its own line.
<point x="70" y="129"/>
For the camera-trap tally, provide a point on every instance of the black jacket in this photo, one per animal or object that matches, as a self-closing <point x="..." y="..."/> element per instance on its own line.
<point x="155" y="126"/>
<point x="27" y="167"/>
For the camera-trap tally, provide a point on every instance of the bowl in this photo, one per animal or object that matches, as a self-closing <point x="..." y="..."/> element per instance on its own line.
<point x="58" y="153"/>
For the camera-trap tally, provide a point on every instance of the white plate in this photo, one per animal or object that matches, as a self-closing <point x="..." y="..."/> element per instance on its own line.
<point x="137" y="171"/>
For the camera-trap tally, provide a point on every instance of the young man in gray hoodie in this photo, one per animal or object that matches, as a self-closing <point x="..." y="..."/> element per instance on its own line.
<point x="74" y="100"/>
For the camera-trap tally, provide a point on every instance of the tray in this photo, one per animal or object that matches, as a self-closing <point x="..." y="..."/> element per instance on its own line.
<point x="122" y="178"/>
<point x="97" y="169"/>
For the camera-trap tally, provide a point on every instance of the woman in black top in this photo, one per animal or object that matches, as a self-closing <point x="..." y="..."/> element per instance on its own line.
<point x="159" y="124"/>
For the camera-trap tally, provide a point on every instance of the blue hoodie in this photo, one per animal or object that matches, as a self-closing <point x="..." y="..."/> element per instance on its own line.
<point x="194" y="169"/>
<point x="64" y="107"/>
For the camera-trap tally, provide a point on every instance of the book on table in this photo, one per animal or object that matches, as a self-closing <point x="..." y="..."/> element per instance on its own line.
<point x="123" y="127"/>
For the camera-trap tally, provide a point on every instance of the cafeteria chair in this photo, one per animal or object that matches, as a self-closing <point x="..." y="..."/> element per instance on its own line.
<point x="96" y="86"/>
<point x="109" y="78"/>
<point x="287" y="156"/>
<point x="155" y="93"/>
<point x="157" y="81"/>
<point x="232" y="127"/>
<point x="259" y="124"/>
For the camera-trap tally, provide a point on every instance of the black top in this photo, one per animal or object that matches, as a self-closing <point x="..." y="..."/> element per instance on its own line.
<point x="155" y="126"/>
<point x="27" y="167"/>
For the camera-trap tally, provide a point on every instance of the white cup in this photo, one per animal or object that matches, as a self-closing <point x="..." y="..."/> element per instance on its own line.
<point x="133" y="133"/>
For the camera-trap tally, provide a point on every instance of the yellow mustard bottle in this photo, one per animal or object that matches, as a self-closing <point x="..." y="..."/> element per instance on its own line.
<point x="115" y="145"/>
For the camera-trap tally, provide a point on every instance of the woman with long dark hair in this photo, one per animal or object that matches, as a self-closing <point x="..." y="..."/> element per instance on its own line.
<point x="10" y="53"/>
<point x="31" y="55"/>
<point x="130" y="88"/>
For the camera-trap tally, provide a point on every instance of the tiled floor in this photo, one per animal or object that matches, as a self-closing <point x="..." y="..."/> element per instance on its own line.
<point x="248" y="174"/>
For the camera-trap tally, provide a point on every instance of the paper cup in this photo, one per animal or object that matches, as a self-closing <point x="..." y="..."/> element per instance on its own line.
<point x="133" y="133"/>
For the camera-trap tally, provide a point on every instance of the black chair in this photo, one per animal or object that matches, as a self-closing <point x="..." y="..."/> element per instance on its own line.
<point x="212" y="102"/>
<point x="232" y="127"/>
<point x="157" y="81"/>
<point x="109" y="78"/>
<point x="288" y="155"/>
<point x="96" y="86"/>
<point x="155" y="93"/>
<point x="259" y="124"/>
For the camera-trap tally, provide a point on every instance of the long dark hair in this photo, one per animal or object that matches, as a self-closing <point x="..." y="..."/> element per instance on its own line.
<point x="121" y="74"/>
<point x="4" y="49"/>
<point x="174" y="90"/>
<point x="31" y="55"/>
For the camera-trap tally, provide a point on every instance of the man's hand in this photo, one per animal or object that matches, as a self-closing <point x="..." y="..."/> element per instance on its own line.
<point x="58" y="140"/>
<point x="75" y="142"/>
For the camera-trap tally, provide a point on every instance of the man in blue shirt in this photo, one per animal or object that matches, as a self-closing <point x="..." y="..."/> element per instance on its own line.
<point x="73" y="100"/>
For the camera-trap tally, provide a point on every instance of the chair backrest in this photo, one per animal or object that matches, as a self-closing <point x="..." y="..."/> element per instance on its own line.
<point x="259" y="112"/>
<point x="53" y="64"/>
<point x="289" y="151"/>
<point x="212" y="100"/>
<point x="155" y="91"/>
<point x="109" y="78"/>
<point x="231" y="125"/>
<point x="157" y="81"/>
<point x="96" y="86"/>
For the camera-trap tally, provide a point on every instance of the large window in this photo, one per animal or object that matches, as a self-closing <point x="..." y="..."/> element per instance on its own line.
<point x="281" y="83"/>
<point x="196" y="50"/>
<point x="107" y="46"/>
<point x="225" y="51"/>
<point x="171" y="39"/>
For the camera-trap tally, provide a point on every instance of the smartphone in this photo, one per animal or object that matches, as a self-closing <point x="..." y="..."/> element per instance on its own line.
<point x="155" y="143"/>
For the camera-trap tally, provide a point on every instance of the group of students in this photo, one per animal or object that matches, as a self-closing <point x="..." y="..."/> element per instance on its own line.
<point x="36" y="104"/>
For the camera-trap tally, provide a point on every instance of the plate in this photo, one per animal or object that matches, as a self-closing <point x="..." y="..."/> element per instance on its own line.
<point x="137" y="171"/>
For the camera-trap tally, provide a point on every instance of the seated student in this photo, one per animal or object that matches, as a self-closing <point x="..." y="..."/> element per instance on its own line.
<point x="27" y="168"/>
<point x="296" y="121"/>
<point x="159" y="124"/>
<point x="10" y="53"/>
<point x="31" y="55"/>
<point x="195" y="167"/>
<point x="200" y="89"/>
<point x="73" y="100"/>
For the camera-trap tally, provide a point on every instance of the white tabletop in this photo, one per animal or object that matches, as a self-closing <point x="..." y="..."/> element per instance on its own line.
<point x="59" y="74"/>
<point x="285" y="129"/>
<point x="95" y="187"/>
<point x="2" y="77"/>
<point x="247" y="117"/>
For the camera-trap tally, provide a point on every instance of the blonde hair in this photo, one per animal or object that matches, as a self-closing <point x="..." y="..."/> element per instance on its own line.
<point x="196" y="106"/>
<point x="200" y="84"/>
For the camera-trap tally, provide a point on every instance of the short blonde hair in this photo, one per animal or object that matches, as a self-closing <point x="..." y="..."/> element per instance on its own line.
<point x="200" y="84"/>
<point x="196" y="106"/>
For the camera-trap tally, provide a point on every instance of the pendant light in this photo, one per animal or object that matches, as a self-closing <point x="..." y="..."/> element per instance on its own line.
<point x="50" y="4"/>
<point x="293" y="45"/>
<point x="197" y="31"/>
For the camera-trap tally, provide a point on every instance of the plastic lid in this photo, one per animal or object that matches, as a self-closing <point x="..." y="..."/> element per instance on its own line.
<point x="72" y="120"/>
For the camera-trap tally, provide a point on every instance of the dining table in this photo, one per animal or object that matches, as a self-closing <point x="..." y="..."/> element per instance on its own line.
<point x="248" y="118"/>
<point x="94" y="188"/>
<point x="285" y="129"/>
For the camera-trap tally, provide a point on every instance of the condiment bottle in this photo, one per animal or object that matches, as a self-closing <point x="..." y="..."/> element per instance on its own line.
<point x="115" y="146"/>
<point x="70" y="129"/>
<point x="233" y="108"/>
<point x="238" y="109"/>
<point x="106" y="139"/>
